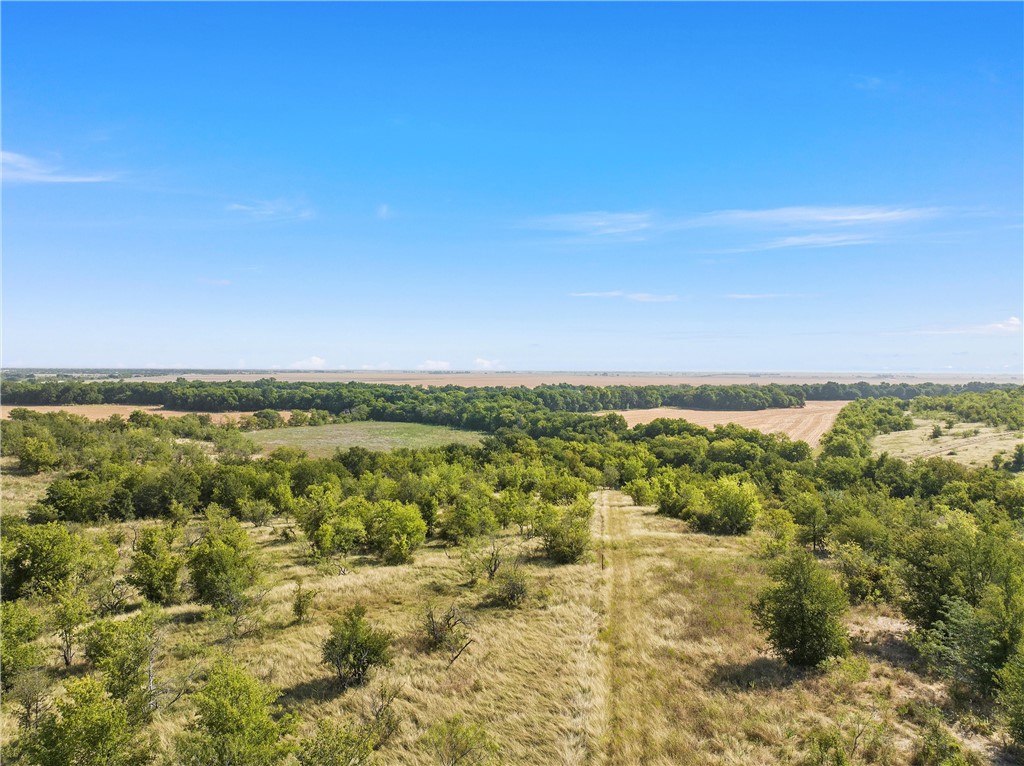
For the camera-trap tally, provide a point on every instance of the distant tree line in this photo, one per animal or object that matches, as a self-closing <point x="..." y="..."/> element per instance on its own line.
<point x="483" y="408"/>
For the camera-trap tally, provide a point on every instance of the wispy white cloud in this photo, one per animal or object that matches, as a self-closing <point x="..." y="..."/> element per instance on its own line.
<point x="1008" y="326"/>
<point x="212" y="282"/>
<point x="309" y="363"/>
<point x="19" y="168"/>
<point x="639" y="297"/>
<point x="848" y="215"/>
<point x="758" y="296"/>
<point x="384" y="212"/>
<point x="434" y="365"/>
<point x="806" y="240"/>
<point x="273" y="210"/>
<point x="487" y="364"/>
<point x="650" y="298"/>
<point x="598" y="224"/>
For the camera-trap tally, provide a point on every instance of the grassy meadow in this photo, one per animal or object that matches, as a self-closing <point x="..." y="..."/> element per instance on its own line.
<point x="644" y="653"/>
<point x="971" y="444"/>
<point x="323" y="441"/>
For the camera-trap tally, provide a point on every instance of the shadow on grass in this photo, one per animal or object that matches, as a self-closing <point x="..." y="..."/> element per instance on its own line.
<point x="888" y="648"/>
<point x="761" y="673"/>
<point x="321" y="689"/>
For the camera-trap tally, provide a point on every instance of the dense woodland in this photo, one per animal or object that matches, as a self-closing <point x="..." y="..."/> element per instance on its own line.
<point x="939" y="543"/>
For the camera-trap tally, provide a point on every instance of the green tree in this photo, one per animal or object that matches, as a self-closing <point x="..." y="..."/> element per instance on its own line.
<point x="155" y="567"/>
<point x="88" y="728"/>
<point x="395" y="530"/>
<point x="354" y="646"/>
<point x="19" y="628"/>
<point x="37" y="454"/>
<point x="223" y="565"/>
<point x="733" y="508"/>
<point x="565" y="530"/>
<point x="236" y="723"/>
<point x="801" y="613"/>
<point x="125" y="651"/>
<point x="37" y="558"/>
<point x="1011" y="694"/>
<point x="70" y="610"/>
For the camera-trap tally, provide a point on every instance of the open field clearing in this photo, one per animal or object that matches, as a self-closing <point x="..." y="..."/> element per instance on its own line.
<point x="104" y="411"/>
<point x="806" y="423"/>
<point x="322" y="441"/>
<point x="972" y="444"/>
<point x="644" y="654"/>
<point x="531" y="379"/>
<point x="19" y="490"/>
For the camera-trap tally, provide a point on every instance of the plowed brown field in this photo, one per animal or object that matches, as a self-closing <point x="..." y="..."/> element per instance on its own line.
<point x="806" y="423"/>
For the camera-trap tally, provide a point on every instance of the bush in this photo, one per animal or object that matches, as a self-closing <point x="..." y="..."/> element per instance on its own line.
<point x="1011" y="694"/>
<point x="733" y="508"/>
<point x="354" y="646"/>
<point x="565" y="531"/>
<point x="302" y="602"/>
<point x="447" y="631"/>
<point x="456" y="742"/>
<point x="337" y="744"/>
<point x="154" y="568"/>
<point x="223" y="565"/>
<point x="88" y="728"/>
<point x="800" y="614"/>
<point x="511" y="588"/>
<point x="18" y="629"/>
<point x="395" y="530"/>
<point x="237" y="722"/>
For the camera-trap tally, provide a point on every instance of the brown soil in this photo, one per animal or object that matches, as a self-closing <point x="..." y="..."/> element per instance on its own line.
<point x="806" y="423"/>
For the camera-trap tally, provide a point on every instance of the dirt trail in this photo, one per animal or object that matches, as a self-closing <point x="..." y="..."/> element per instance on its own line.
<point x="615" y="555"/>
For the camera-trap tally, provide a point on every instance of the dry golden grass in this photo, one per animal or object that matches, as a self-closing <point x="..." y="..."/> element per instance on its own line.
<point x="644" y="654"/>
<point x="807" y="423"/>
<point x="960" y="443"/>
<point x="19" y="490"/>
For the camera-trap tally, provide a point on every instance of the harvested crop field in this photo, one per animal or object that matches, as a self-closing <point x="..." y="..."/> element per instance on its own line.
<point x="104" y="411"/>
<point x="530" y="379"/>
<point x="807" y="423"/>
<point x="322" y="441"/>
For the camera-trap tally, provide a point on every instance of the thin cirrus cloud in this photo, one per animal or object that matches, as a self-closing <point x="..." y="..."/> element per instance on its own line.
<point x="273" y="210"/>
<point x="822" y="225"/>
<point x="806" y="240"/>
<point x="638" y="297"/>
<point x="759" y="296"/>
<point x="19" y="168"/>
<point x="596" y="224"/>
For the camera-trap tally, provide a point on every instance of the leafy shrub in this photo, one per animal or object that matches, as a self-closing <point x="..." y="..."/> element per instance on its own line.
<point x="354" y="646"/>
<point x="565" y="531"/>
<point x="456" y="742"/>
<point x="154" y="568"/>
<point x="800" y="614"/>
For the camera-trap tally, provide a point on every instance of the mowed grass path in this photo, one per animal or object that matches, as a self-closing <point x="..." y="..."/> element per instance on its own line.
<point x="322" y="441"/>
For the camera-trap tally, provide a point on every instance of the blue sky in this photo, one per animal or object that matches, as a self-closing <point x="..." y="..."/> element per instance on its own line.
<point x="729" y="187"/>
